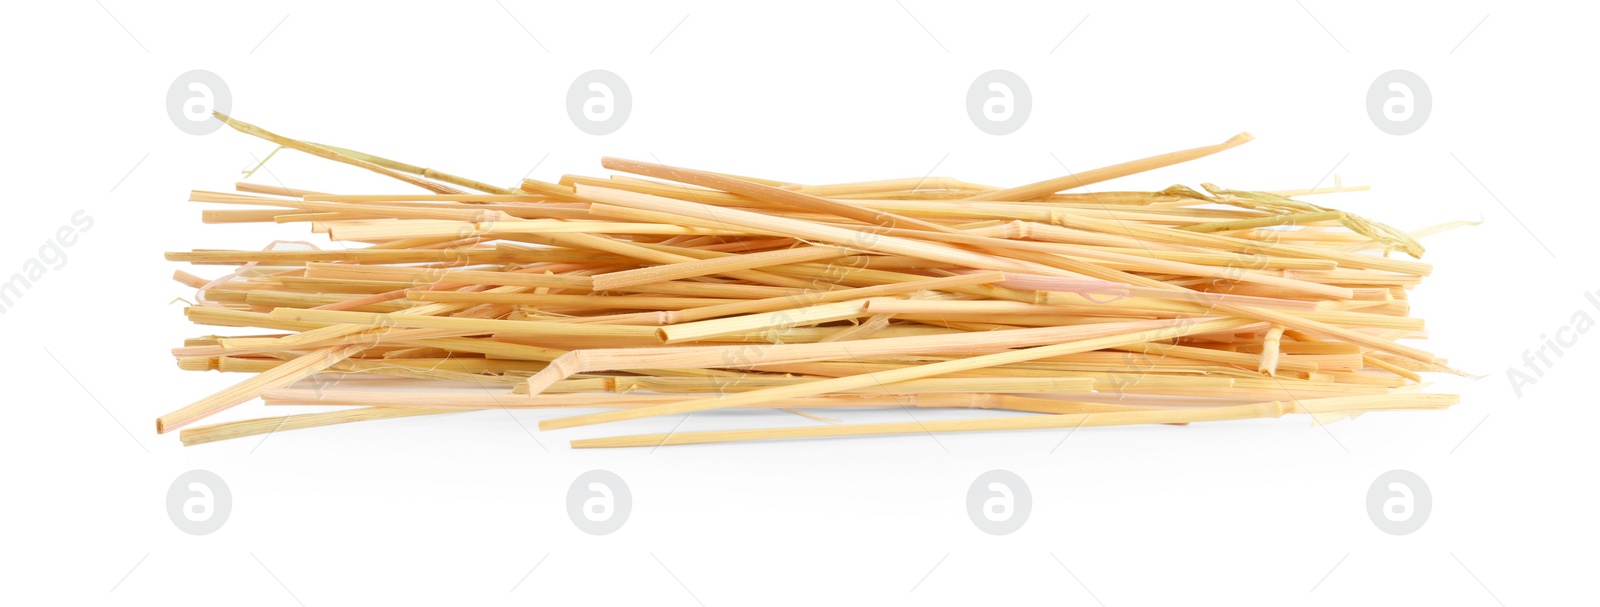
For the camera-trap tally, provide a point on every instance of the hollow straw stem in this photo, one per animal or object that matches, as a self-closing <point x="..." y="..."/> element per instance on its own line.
<point x="322" y="152"/>
<point x="1237" y="245"/>
<point x="421" y="171"/>
<point x="1072" y="420"/>
<point x="825" y="386"/>
<point x="713" y="266"/>
<point x="624" y="359"/>
<point x="338" y="331"/>
<point x="790" y="198"/>
<point x="1115" y="418"/>
<point x="625" y="302"/>
<point x="821" y="297"/>
<point x="825" y="233"/>
<point x="1135" y="262"/>
<point x="776" y="322"/>
<point x="270" y="425"/>
<point x="457" y="323"/>
<point x="644" y="253"/>
<point x="1078" y="180"/>
<point x="1259" y="222"/>
<point x="946" y="390"/>
<point x="277" y="377"/>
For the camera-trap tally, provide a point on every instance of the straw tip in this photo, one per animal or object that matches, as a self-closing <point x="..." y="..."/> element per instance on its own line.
<point x="1242" y="138"/>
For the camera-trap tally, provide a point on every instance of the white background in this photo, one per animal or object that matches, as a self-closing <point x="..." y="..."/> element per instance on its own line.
<point x="471" y="508"/>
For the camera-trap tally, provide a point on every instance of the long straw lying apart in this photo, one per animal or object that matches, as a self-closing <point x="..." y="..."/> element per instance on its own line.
<point x="666" y="291"/>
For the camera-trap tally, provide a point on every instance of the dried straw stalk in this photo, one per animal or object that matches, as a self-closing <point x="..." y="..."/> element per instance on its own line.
<point x="668" y="290"/>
